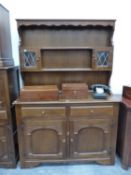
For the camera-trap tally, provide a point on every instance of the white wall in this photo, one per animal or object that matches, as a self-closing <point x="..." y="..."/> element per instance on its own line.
<point x="82" y="9"/>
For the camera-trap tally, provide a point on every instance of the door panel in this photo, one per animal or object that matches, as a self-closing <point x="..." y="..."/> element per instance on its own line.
<point x="94" y="144"/>
<point x="2" y="89"/>
<point x="44" y="139"/>
<point x="48" y="136"/>
<point x="3" y="143"/>
<point x="90" y="138"/>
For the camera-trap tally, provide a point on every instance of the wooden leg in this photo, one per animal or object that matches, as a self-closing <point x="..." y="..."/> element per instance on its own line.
<point x="125" y="166"/>
<point x="106" y="162"/>
<point x="8" y="165"/>
<point x="29" y="164"/>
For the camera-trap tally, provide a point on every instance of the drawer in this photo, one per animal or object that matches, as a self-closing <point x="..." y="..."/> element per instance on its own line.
<point x="3" y="115"/>
<point x="92" y="111"/>
<point x="43" y="111"/>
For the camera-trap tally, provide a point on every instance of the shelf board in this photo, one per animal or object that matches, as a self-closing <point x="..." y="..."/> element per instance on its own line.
<point x="74" y="48"/>
<point x="65" y="70"/>
<point x="66" y="48"/>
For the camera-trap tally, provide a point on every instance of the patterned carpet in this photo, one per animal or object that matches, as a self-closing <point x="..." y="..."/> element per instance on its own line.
<point x="72" y="169"/>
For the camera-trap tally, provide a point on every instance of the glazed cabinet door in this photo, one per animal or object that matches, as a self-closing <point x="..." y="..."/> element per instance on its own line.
<point x="90" y="138"/>
<point x="43" y="139"/>
<point x="30" y="59"/>
<point x="102" y="58"/>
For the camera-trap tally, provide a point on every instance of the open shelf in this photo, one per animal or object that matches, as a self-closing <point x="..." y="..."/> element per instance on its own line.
<point x="66" y="70"/>
<point x="67" y="48"/>
<point x="80" y="52"/>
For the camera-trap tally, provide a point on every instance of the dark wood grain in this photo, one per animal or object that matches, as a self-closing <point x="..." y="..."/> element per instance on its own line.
<point x="124" y="129"/>
<point x="83" y="131"/>
<point x="76" y="128"/>
<point x="9" y="90"/>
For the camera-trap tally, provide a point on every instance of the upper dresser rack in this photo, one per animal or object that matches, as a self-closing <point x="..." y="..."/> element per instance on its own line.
<point x="76" y="45"/>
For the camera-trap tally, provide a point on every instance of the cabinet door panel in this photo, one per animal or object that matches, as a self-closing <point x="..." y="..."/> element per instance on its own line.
<point x="127" y="145"/>
<point x="90" y="138"/>
<point x="102" y="58"/>
<point x="44" y="139"/>
<point x="3" y="143"/>
<point x="2" y="89"/>
<point x="30" y="59"/>
<point x="3" y="115"/>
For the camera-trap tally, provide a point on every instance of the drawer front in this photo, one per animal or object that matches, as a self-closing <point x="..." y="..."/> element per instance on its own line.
<point x="91" y="111"/>
<point x="3" y="115"/>
<point x="43" y="112"/>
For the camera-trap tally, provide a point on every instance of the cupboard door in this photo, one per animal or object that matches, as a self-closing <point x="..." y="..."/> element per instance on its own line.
<point x="30" y="59"/>
<point x="102" y="58"/>
<point x="43" y="139"/>
<point x="2" y="89"/>
<point x="90" y="138"/>
<point x="127" y="145"/>
<point x="4" y="153"/>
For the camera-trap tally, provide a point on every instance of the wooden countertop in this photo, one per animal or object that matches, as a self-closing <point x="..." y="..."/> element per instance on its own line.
<point x="111" y="98"/>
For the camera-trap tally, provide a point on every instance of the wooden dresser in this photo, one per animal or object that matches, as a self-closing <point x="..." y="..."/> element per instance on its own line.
<point x="124" y="129"/>
<point x="8" y="93"/>
<point x="56" y="52"/>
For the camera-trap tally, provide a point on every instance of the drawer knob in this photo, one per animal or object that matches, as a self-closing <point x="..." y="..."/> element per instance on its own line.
<point x="75" y="92"/>
<point x="72" y="140"/>
<point x="92" y="111"/>
<point x="63" y="140"/>
<point x="67" y="134"/>
<point x="43" y="112"/>
<point x="60" y="153"/>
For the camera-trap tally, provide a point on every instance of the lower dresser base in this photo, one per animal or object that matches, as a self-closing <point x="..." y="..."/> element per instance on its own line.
<point x="30" y="164"/>
<point x="66" y="132"/>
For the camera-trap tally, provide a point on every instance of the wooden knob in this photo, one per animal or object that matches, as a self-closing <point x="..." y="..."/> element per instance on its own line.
<point x="43" y="112"/>
<point x="63" y="140"/>
<point x="71" y="140"/>
<point x="60" y="154"/>
<point x="92" y="111"/>
<point x="75" y="92"/>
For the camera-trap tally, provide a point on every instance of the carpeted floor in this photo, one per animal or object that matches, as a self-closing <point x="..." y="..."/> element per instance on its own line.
<point x="72" y="169"/>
